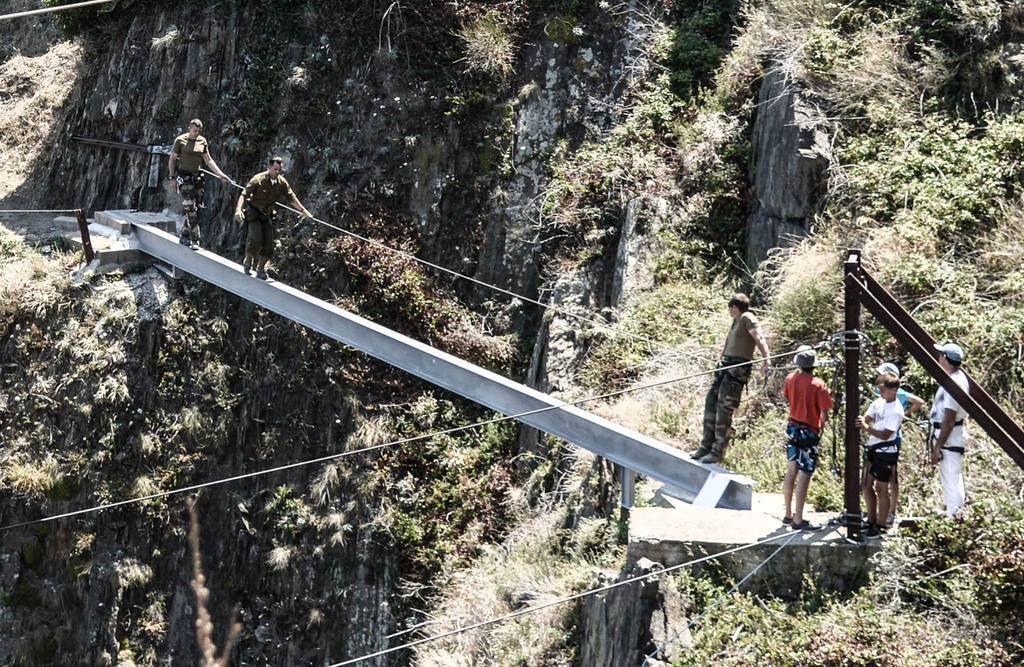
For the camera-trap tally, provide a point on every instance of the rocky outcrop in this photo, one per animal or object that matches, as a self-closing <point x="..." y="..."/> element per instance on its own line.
<point x="625" y="625"/>
<point x="791" y="154"/>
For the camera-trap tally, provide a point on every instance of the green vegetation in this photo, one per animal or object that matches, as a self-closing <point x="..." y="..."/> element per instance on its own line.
<point x="442" y="498"/>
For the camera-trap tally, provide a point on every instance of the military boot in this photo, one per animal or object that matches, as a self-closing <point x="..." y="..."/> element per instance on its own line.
<point x="700" y="452"/>
<point x="714" y="456"/>
<point x="247" y="264"/>
<point x="261" y="269"/>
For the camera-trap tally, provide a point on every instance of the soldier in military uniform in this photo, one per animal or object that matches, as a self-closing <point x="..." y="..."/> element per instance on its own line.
<point x="188" y="154"/>
<point x="257" y="208"/>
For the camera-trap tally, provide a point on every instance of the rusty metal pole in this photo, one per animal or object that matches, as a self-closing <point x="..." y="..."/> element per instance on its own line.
<point x="83" y="228"/>
<point x="851" y="347"/>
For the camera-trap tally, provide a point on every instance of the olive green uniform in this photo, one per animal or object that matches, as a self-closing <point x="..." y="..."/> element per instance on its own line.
<point x="261" y="194"/>
<point x="190" y="153"/>
<point x="724" y="396"/>
<point x="191" y="184"/>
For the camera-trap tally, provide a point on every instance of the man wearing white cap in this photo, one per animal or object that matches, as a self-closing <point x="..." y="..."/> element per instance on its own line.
<point x="911" y="404"/>
<point x="809" y="403"/>
<point x="949" y="435"/>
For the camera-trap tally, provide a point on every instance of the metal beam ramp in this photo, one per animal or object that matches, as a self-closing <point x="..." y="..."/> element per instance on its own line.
<point x="633" y="452"/>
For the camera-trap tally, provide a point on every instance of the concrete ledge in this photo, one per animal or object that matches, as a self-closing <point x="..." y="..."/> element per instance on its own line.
<point x="122" y="221"/>
<point x="680" y="534"/>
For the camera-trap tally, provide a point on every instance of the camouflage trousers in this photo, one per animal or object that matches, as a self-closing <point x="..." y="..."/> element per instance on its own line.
<point x="722" y="400"/>
<point x="192" y="190"/>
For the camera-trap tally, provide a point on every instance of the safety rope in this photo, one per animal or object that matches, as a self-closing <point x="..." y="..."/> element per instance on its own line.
<point x="477" y="281"/>
<point x="364" y="450"/>
<point x="50" y="10"/>
<point x="552" y="603"/>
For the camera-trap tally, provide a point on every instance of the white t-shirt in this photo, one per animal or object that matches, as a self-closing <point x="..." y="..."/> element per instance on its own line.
<point x="886" y="416"/>
<point x="944" y="401"/>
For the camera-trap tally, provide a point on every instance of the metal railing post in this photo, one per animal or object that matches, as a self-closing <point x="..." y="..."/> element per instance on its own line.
<point x="851" y="349"/>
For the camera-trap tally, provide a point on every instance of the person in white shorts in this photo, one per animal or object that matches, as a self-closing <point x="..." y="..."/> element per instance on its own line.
<point x="949" y="433"/>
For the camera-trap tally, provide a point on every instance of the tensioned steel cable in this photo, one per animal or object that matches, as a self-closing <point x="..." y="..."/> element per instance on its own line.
<point x="477" y="281"/>
<point x="39" y="210"/>
<point x="552" y="603"/>
<point x="363" y="450"/>
<point x="722" y="598"/>
<point x="50" y="10"/>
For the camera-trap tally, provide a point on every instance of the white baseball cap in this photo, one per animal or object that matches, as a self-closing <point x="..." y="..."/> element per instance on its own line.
<point x="888" y="367"/>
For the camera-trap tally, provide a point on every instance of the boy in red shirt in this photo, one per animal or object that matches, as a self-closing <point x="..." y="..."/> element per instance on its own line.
<point x="809" y="403"/>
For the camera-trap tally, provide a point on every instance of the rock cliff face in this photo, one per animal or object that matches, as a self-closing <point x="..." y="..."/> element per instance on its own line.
<point x="382" y="133"/>
<point x="790" y="160"/>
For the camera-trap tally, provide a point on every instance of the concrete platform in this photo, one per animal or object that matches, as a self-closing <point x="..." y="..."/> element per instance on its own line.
<point x="121" y="221"/>
<point x="675" y="535"/>
<point x="111" y="236"/>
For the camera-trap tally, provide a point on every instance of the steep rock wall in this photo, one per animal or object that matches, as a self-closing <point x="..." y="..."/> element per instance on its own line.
<point x="790" y="159"/>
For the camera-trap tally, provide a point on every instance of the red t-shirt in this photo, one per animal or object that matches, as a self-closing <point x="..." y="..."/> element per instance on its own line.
<point x="808" y="399"/>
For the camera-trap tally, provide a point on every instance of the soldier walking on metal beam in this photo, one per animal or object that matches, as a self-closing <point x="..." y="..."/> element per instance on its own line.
<point x="188" y="154"/>
<point x="257" y="208"/>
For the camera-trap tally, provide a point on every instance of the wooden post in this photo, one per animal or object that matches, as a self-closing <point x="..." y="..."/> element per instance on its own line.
<point x="83" y="228"/>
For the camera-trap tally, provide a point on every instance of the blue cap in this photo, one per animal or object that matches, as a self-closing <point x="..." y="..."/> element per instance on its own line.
<point x="952" y="351"/>
<point x="888" y="367"/>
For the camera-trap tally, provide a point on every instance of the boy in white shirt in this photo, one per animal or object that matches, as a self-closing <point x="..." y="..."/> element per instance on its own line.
<point x="882" y="423"/>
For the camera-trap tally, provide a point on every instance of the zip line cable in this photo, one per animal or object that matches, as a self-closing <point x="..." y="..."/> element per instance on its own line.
<point x="562" y="600"/>
<point x="722" y="598"/>
<point x="452" y="272"/>
<point x="50" y="10"/>
<point x="363" y="450"/>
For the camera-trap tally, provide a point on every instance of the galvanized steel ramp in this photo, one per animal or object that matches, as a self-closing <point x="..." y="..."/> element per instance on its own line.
<point x="685" y="478"/>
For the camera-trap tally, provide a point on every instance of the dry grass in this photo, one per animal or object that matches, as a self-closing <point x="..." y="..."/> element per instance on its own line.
<point x="30" y="478"/>
<point x="37" y="88"/>
<point x="280" y="558"/>
<point x="526" y="571"/>
<point x="29" y="283"/>
<point x="846" y="72"/>
<point x="804" y="285"/>
<point x="490" y="45"/>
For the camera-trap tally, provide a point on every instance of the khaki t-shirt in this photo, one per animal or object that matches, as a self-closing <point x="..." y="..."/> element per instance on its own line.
<point x="740" y="342"/>
<point x="262" y="193"/>
<point x="190" y="153"/>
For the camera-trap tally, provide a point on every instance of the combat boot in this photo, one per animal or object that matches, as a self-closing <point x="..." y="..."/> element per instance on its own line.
<point x="247" y="264"/>
<point x="700" y="452"/>
<point x="714" y="456"/>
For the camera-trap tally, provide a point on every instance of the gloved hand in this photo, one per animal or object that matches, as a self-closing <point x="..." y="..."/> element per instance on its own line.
<point x="239" y="217"/>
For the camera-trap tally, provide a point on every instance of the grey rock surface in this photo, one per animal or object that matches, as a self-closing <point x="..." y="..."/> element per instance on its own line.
<point x="791" y="154"/>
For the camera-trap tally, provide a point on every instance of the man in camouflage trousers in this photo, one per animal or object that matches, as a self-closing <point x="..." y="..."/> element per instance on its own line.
<point x="724" y="396"/>
<point x="188" y="155"/>
<point x="257" y="208"/>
